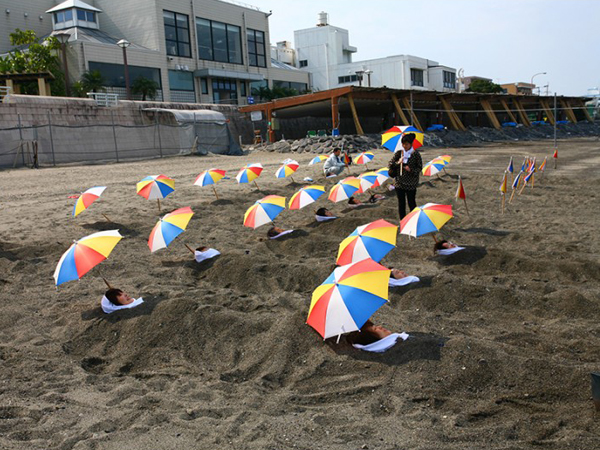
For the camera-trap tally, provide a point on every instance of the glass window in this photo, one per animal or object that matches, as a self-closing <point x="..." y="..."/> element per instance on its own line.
<point x="218" y="41"/>
<point x="243" y="88"/>
<point x="59" y="17"/>
<point x="204" y="39"/>
<point x="234" y="44"/>
<point x="90" y="16"/>
<point x="68" y="14"/>
<point x="181" y="81"/>
<point x="224" y="90"/>
<point x="80" y="14"/>
<point x="256" y="48"/>
<point x="177" y="34"/>
<point x="219" y="33"/>
<point x="204" y="85"/>
<point x="416" y="77"/>
<point x="114" y="74"/>
<point x="303" y="63"/>
<point x="449" y="80"/>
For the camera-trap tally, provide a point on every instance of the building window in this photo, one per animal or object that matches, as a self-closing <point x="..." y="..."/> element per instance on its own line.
<point x="243" y="88"/>
<point x="347" y="79"/>
<point x="219" y="41"/>
<point x="256" y="48"/>
<point x="449" y="80"/>
<point x="181" y="81"/>
<point x="177" y="34"/>
<point x="204" y="85"/>
<point x="303" y="62"/>
<point x="416" y="77"/>
<point x="224" y="90"/>
<point x="299" y="88"/>
<point x="114" y="74"/>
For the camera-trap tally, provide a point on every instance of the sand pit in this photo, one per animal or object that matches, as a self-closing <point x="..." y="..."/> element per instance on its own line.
<point x="503" y="336"/>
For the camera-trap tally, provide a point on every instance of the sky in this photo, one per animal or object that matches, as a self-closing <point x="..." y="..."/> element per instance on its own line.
<point x="505" y="40"/>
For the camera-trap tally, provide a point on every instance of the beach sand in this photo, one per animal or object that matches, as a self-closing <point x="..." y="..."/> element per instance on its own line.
<point x="503" y="335"/>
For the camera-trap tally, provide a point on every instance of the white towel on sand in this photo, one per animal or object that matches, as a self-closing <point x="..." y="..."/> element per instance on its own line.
<point x="324" y="218"/>
<point x="449" y="251"/>
<point x="403" y="281"/>
<point x="206" y="254"/>
<point x="108" y="307"/>
<point x="382" y="345"/>
<point x="283" y="233"/>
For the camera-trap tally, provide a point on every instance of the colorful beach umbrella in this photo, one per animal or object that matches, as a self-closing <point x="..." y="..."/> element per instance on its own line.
<point x="155" y="187"/>
<point x="348" y="298"/>
<point x="317" y="159"/>
<point x="169" y="227"/>
<point x="428" y="218"/>
<point x="364" y="158"/>
<point x="288" y="168"/>
<point x="306" y="196"/>
<point x="433" y="167"/>
<point x="344" y="189"/>
<point x="367" y="180"/>
<point x="264" y="211"/>
<point x="383" y="171"/>
<point x="85" y="254"/>
<point x="210" y="177"/>
<point x="391" y="139"/>
<point x="445" y="158"/>
<point x="373" y="240"/>
<point x="87" y="198"/>
<point x="249" y="173"/>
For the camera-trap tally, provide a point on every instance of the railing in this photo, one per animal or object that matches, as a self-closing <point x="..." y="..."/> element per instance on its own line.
<point x="4" y="91"/>
<point x="103" y="99"/>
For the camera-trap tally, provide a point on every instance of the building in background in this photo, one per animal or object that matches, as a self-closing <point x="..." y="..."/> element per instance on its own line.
<point x="518" y="88"/>
<point x="325" y="52"/>
<point x="201" y="51"/>
<point x="465" y="82"/>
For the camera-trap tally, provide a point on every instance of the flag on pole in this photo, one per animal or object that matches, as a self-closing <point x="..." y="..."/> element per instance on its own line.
<point x="555" y="156"/>
<point x="524" y="165"/>
<point x="543" y="165"/>
<point x="528" y="177"/>
<point x="517" y="181"/>
<point x="347" y="159"/>
<point x="510" y="168"/>
<point x="504" y="185"/>
<point x="460" y="192"/>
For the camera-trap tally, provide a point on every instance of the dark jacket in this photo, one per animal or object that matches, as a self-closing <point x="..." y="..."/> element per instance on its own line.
<point x="408" y="180"/>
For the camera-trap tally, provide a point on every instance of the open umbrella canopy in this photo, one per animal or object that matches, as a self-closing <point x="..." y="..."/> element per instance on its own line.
<point x="85" y="254"/>
<point x="373" y="240"/>
<point x="364" y="158"/>
<point x="433" y="167"/>
<point x="445" y="158"/>
<point x="317" y="159"/>
<point x="288" y="168"/>
<point x="210" y="176"/>
<point x="249" y="173"/>
<point x="344" y="189"/>
<point x="155" y="187"/>
<point x="428" y="218"/>
<point x="384" y="172"/>
<point x="348" y="298"/>
<point x="367" y="180"/>
<point x="392" y="138"/>
<point x="264" y="211"/>
<point x="306" y="196"/>
<point x="169" y="227"/>
<point x="87" y="198"/>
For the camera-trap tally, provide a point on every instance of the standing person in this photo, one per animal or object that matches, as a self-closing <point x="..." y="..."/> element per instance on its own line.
<point x="407" y="178"/>
<point x="334" y="165"/>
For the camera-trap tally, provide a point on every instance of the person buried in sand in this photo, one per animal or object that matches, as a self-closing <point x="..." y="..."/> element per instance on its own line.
<point x="324" y="212"/>
<point x="334" y="165"/>
<point x="368" y="334"/>
<point x="445" y="247"/>
<point x="115" y="299"/>
<point x="397" y="274"/>
<point x="203" y="252"/>
<point x="277" y="232"/>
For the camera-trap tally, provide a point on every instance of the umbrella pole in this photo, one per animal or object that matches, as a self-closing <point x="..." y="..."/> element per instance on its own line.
<point x="467" y="208"/>
<point x="158" y="202"/>
<point x="256" y="185"/>
<point x="511" y="196"/>
<point x="532" y="180"/>
<point x="401" y="162"/>
<point x="107" y="283"/>
<point x="190" y="249"/>
<point x="522" y="187"/>
<point x="106" y="217"/>
<point x="291" y="178"/>
<point x="434" y="238"/>
<point x="503" y="203"/>
<point x="215" y="191"/>
<point x="444" y="169"/>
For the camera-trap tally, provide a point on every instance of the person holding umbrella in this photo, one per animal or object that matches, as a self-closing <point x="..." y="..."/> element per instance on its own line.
<point x="405" y="168"/>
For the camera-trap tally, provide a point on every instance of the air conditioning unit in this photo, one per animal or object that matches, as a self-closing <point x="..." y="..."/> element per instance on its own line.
<point x="178" y="67"/>
<point x="186" y="68"/>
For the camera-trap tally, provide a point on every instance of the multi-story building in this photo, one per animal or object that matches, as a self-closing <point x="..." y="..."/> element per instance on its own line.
<point x="203" y="51"/>
<point x="518" y="88"/>
<point x="325" y="52"/>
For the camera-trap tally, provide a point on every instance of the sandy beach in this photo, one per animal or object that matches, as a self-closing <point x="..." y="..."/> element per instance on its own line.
<point x="503" y="335"/>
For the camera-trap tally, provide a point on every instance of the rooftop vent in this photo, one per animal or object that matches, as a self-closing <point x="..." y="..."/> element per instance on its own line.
<point x="323" y="19"/>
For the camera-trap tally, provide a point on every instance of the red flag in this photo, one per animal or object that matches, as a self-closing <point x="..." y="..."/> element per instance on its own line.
<point x="347" y="159"/>
<point x="555" y="153"/>
<point x="460" y="192"/>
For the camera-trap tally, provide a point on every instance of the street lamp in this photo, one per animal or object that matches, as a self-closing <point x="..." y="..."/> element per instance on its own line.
<point x="124" y="43"/>
<point x="541" y="73"/>
<point x="359" y="76"/>
<point x="368" y="72"/>
<point x="63" y="38"/>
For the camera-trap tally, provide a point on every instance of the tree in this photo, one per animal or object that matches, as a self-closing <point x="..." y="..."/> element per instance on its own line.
<point x="145" y="87"/>
<point x="484" y="87"/>
<point x="33" y="57"/>
<point x="92" y="81"/>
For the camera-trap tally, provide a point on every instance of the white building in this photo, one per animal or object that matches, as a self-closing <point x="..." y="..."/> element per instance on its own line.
<point x="325" y="52"/>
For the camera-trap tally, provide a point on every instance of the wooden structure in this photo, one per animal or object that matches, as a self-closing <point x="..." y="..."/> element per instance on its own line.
<point x="12" y="81"/>
<point x="419" y="108"/>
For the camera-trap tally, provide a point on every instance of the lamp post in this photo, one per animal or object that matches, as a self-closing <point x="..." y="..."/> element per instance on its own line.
<point x="540" y="73"/>
<point x="124" y="43"/>
<point x="368" y="72"/>
<point x="359" y="76"/>
<point x="63" y="38"/>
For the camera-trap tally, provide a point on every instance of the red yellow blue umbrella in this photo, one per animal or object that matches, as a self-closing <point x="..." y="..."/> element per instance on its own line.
<point x="373" y="240"/>
<point x="249" y="173"/>
<point x="306" y="196"/>
<point x="348" y="298"/>
<point x="367" y="180"/>
<point x="433" y="167"/>
<point x="169" y="227"/>
<point x="288" y="168"/>
<point x="445" y="158"/>
<point x="317" y="159"/>
<point x="428" y="218"/>
<point x="87" y="198"/>
<point x="391" y="139"/>
<point x="210" y="177"/>
<point x="344" y="189"/>
<point x="155" y="187"/>
<point x="264" y="211"/>
<point x="85" y="254"/>
<point x="364" y="158"/>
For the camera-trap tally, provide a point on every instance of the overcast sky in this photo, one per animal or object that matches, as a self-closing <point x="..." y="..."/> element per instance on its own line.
<point x="506" y="40"/>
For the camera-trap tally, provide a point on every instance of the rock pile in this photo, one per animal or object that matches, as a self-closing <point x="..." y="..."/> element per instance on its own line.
<point x="474" y="136"/>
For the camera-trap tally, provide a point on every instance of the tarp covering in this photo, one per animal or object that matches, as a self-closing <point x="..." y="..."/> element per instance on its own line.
<point x="208" y="128"/>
